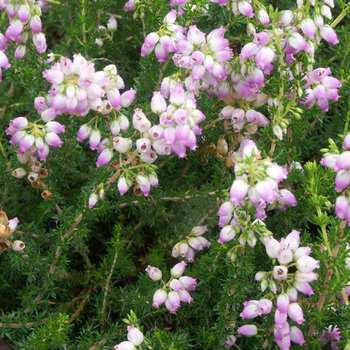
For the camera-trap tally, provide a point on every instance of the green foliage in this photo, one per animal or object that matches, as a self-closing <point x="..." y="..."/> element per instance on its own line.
<point x="81" y="278"/>
<point x="52" y="335"/>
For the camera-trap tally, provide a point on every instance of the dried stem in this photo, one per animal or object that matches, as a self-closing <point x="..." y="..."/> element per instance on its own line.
<point x="29" y="324"/>
<point x="81" y="306"/>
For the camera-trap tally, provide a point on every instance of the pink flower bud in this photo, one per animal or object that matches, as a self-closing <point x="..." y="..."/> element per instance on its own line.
<point x="112" y="24"/>
<point x="305" y="277"/>
<point x="263" y="17"/>
<point x="159" y="297"/>
<point x="151" y="39"/>
<point x="342" y="207"/>
<point x="283" y="303"/>
<point x="20" y="52"/>
<point x="104" y="157"/>
<point x="158" y="103"/>
<point x="227" y="234"/>
<point x="127" y="97"/>
<point x="189" y="283"/>
<point x="250" y="311"/>
<point x="199" y="230"/>
<point x="330" y="160"/>
<point x="304" y="287"/>
<point x="195" y="243"/>
<point x="280" y="319"/>
<point x="122" y="185"/>
<point x="178" y="269"/>
<point x="135" y="336"/>
<point x="35" y="24"/>
<point x="177" y="95"/>
<point x="329" y="34"/>
<point x="174" y="299"/>
<point x="95" y="138"/>
<point x="296" y="335"/>
<point x="4" y="62"/>
<point x="161" y="52"/>
<point x="248" y="330"/>
<point x="307" y="264"/>
<point x="93" y="199"/>
<point x="13" y="223"/>
<point x="39" y="42"/>
<point x="144" y="184"/>
<point x="272" y="246"/>
<point x="238" y="191"/>
<point x="295" y="312"/>
<point x="185" y="296"/>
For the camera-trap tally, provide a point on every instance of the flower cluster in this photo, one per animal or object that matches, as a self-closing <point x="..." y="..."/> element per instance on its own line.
<point x="178" y="122"/>
<point x="288" y="254"/>
<point x="34" y="137"/>
<point x="77" y="87"/>
<point x="291" y="33"/>
<point x="165" y="40"/>
<point x="341" y="164"/>
<point x="135" y="339"/>
<point x="331" y="336"/>
<point x="205" y="57"/>
<point x="143" y="182"/>
<point x="257" y="182"/>
<point x="111" y="28"/>
<point x="25" y="22"/>
<point x="320" y="88"/>
<point x="194" y="241"/>
<point x="176" y="290"/>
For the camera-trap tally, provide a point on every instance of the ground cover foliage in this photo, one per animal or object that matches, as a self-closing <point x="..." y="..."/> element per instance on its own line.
<point x="233" y="195"/>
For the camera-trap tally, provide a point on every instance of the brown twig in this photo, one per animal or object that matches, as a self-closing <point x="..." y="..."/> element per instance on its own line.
<point x="81" y="306"/>
<point x="29" y="324"/>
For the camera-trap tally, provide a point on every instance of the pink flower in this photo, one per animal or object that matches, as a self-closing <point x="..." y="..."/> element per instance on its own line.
<point x="238" y="191"/>
<point x="329" y="34"/>
<point x="295" y="312"/>
<point x="154" y="273"/>
<point x="159" y="297"/>
<point x="248" y="330"/>
<point x="104" y="157"/>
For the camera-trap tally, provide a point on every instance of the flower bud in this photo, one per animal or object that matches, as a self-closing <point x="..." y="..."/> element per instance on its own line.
<point x="178" y="269"/>
<point x="135" y="335"/>
<point x="154" y="273"/>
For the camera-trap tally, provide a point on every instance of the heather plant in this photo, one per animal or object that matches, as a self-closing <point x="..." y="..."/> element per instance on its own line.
<point x="175" y="174"/>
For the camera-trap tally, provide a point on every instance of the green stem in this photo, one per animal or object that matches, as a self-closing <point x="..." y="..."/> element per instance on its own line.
<point x="345" y="11"/>
<point x="326" y="243"/>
